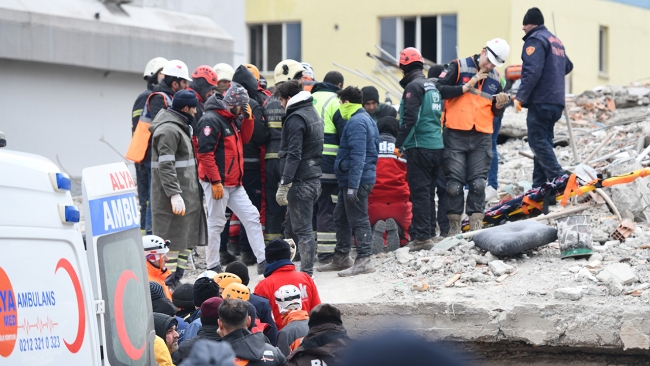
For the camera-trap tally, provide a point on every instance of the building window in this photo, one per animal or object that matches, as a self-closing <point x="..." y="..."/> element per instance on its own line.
<point x="435" y="36"/>
<point x="272" y="43"/>
<point x="602" y="50"/>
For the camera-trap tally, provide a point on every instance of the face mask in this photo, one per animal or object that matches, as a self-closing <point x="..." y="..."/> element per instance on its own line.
<point x="348" y="109"/>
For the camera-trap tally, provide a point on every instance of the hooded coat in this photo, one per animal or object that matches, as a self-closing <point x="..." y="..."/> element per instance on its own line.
<point x="173" y="171"/>
<point x="252" y="347"/>
<point x="324" y="343"/>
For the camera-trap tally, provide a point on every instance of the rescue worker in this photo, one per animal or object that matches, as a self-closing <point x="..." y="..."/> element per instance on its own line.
<point x="176" y="202"/>
<point x="273" y="114"/>
<point x="225" y="73"/>
<point x="160" y="303"/>
<point x="204" y="84"/>
<point x="545" y="64"/>
<point x="250" y="348"/>
<point x="204" y="288"/>
<point x="155" y="253"/>
<point x="420" y="140"/>
<point x="327" y="106"/>
<point x="152" y="76"/>
<point x="375" y="109"/>
<point x="209" y="329"/>
<point x="252" y="179"/>
<point x="308" y="77"/>
<point x="389" y="208"/>
<point x="261" y="94"/>
<point x="301" y="151"/>
<point x="281" y="271"/>
<point x="326" y="341"/>
<point x="474" y="96"/>
<point x="355" y="167"/>
<point x="293" y="317"/>
<point x="225" y="127"/>
<point x="166" y="341"/>
<point x="183" y="300"/>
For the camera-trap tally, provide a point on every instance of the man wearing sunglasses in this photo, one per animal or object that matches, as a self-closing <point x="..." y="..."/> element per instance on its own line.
<point x="474" y="97"/>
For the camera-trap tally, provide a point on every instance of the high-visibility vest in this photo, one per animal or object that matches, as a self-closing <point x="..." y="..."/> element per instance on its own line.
<point x="474" y="108"/>
<point x="141" y="136"/>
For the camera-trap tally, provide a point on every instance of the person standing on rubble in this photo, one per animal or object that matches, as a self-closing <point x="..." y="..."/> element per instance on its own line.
<point x="474" y="97"/>
<point x="545" y="64"/>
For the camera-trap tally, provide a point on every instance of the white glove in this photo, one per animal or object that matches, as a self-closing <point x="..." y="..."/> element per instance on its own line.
<point x="178" y="205"/>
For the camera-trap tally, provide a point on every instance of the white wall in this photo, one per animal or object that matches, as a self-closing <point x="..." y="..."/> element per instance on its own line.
<point x="49" y="109"/>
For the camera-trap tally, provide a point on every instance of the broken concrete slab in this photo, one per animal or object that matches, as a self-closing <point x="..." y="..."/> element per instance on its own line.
<point x="621" y="271"/>
<point x="568" y="293"/>
<point x="499" y="268"/>
<point x="403" y="256"/>
<point x="632" y="337"/>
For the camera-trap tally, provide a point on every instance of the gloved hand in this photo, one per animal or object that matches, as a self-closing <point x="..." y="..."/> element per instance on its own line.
<point x="352" y="195"/>
<point x="248" y="112"/>
<point x="502" y="99"/>
<point x="281" y="194"/>
<point x="398" y="152"/>
<point x="475" y="79"/>
<point x="178" y="205"/>
<point x="517" y="105"/>
<point x="217" y="191"/>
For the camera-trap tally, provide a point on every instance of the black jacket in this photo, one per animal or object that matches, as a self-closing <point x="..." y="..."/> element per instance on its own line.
<point x="384" y="110"/>
<point x="273" y="115"/>
<point x="157" y="102"/>
<point x="208" y="332"/>
<point x="265" y="315"/>
<point x="325" y="343"/>
<point x="260" y="136"/>
<point x="301" y="149"/>
<point x="253" y="348"/>
<point x="138" y="106"/>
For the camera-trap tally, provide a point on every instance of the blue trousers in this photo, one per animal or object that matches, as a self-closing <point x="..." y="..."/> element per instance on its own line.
<point x="540" y="122"/>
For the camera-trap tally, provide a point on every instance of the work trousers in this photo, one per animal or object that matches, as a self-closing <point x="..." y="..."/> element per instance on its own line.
<point x="143" y="177"/>
<point x="237" y="200"/>
<point x="422" y="170"/>
<point x="540" y="122"/>
<point x="298" y="224"/>
<point x="325" y="227"/>
<point x="275" y="214"/>
<point x="252" y="183"/>
<point x="351" y="218"/>
<point x="493" y="174"/>
<point x="466" y="160"/>
<point x="440" y="214"/>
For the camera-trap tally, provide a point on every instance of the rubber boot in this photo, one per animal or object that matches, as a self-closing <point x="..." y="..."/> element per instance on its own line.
<point x="360" y="266"/>
<point x="339" y="262"/>
<point x="476" y="221"/>
<point x="392" y="235"/>
<point x="225" y="258"/>
<point x="248" y="258"/>
<point x="378" y="236"/>
<point x="261" y="267"/>
<point x="454" y="224"/>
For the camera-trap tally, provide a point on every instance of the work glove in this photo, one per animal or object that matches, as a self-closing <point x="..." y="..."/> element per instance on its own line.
<point x="475" y="79"/>
<point x="398" y="152"/>
<point x="178" y="205"/>
<point x="501" y="99"/>
<point x="281" y="194"/>
<point x="217" y="191"/>
<point x="517" y="105"/>
<point x="352" y="195"/>
<point x="248" y="112"/>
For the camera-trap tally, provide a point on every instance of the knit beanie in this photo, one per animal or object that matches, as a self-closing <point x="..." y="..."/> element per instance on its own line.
<point x="370" y="93"/>
<point x="323" y="314"/>
<point x="209" y="353"/>
<point x="239" y="269"/>
<point x="204" y="288"/>
<point x="184" y="98"/>
<point x="182" y="296"/>
<point x="388" y="125"/>
<point x="162" y="323"/>
<point x="210" y="311"/>
<point x="534" y="16"/>
<point x="156" y="291"/>
<point x="236" y="95"/>
<point x="163" y="306"/>
<point x="435" y="71"/>
<point x="276" y="250"/>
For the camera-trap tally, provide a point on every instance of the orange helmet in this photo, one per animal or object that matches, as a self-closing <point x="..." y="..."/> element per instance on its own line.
<point x="254" y="70"/>
<point x="410" y="55"/>
<point x="206" y="72"/>
<point x="224" y="279"/>
<point x="236" y="291"/>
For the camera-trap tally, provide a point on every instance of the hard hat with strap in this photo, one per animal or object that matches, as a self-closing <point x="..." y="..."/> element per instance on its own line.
<point x="236" y="291"/>
<point x="224" y="279"/>
<point x="206" y="72"/>
<point x="287" y="70"/>
<point x="224" y="71"/>
<point x="410" y="55"/>
<point x="153" y="66"/>
<point x="176" y="68"/>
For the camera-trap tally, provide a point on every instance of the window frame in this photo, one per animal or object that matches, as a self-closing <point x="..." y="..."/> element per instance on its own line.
<point x="603" y="51"/>
<point x="399" y="34"/>
<point x="264" y="67"/>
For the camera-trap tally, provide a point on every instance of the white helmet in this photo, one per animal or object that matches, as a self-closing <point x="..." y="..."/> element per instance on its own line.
<point x="224" y="71"/>
<point x="154" y="244"/>
<point x="288" y="298"/>
<point x="497" y="51"/>
<point x="208" y="274"/>
<point x="154" y="65"/>
<point x="287" y="70"/>
<point x="309" y="71"/>
<point x="176" y="68"/>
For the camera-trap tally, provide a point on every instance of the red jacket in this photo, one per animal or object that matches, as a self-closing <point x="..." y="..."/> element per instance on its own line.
<point x="221" y="139"/>
<point x="391" y="184"/>
<point x="287" y="275"/>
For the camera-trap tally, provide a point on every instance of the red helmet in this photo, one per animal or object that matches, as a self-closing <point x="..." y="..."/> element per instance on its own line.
<point x="410" y="55"/>
<point x="206" y="72"/>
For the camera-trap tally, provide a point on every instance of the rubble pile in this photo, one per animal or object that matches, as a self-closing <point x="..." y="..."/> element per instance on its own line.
<point x="590" y="106"/>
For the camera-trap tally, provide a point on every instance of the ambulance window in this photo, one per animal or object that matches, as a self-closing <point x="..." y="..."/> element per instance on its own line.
<point x="123" y="277"/>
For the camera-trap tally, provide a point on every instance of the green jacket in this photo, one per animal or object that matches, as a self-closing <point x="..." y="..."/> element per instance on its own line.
<point x="420" y="111"/>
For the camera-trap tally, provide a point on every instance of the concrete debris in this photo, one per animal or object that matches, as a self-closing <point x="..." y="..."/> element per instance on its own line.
<point x="499" y="268"/>
<point x="568" y="293"/>
<point x="403" y="256"/>
<point x="632" y="337"/>
<point x="621" y="272"/>
<point x="590" y="106"/>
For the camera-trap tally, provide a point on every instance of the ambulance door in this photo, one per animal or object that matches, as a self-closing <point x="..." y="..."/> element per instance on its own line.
<point x="117" y="265"/>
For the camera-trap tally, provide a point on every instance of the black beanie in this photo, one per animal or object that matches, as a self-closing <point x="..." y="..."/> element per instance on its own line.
<point x="182" y="297"/>
<point x="184" y="98"/>
<point x="323" y="314"/>
<point x="204" y="288"/>
<point x="388" y="125"/>
<point x="239" y="269"/>
<point x="534" y="16"/>
<point x="276" y="250"/>
<point x="435" y="71"/>
<point x="163" y="306"/>
<point x="156" y="291"/>
<point x="370" y="93"/>
<point x="162" y="323"/>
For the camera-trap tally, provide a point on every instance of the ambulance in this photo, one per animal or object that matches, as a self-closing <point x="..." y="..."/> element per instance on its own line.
<point x="65" y="300"/>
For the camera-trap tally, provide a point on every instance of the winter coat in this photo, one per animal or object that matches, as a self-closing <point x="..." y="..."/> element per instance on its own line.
<point x="295" y="329"/>
<point x="161" y="352"/>
<point x="138" y="106"/>
<point x="545" y="64"/>
<point x="173" y="171"/>
<point x="383" y="110"/>
<point x="260" y="136"/>
<point x="327" y="104"/>
<point x="208" y="332"/>
<point x="324" y="344"/>
<point x="252" y="347"/>
<point x="287" y="275"/>
<point x="356" y="159"/>
<point x="265" y="315"/>
<point x="158" y="276"/>
<point x="222" y="137"/>
<point x="301" y="148"/>
<point x="157" y="101"/>
<point x="391" y="184"/>
<point x="273" y="114"/>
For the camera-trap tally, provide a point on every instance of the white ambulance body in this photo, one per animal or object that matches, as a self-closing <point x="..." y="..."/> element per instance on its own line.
<point x="63" y="302"/>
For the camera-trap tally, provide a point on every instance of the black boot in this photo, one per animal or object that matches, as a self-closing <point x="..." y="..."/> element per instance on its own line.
<point x="248" y="258"/>
<point x="225" y="258"/>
